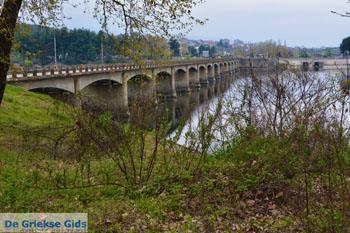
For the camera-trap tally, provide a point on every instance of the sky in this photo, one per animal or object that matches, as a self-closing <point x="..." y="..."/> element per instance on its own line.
<point x="308" y="23"/>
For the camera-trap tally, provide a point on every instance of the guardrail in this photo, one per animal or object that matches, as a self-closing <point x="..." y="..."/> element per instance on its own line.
<point x="61" y="71"/>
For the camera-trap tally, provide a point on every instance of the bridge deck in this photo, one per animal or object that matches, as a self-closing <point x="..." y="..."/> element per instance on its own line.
<point x="21" y="74"/>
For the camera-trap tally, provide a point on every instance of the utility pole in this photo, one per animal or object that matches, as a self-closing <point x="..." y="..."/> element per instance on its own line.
<point x="347" y="65"/>
<point x="54" y="43"/>
<point x="101" y="50"/>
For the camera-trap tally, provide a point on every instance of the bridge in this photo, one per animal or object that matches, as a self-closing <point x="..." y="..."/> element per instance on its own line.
<point x="317" y="64"/>
<point x="117" y="83"/>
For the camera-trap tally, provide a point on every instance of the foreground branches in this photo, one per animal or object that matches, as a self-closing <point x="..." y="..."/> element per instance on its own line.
<point x="138" y="19"/>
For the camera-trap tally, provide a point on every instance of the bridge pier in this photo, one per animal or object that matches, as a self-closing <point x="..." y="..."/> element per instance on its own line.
<point x="194" y="77"/>
<point x="216" y="72"/>
<point x="182" y="81"/>
<point x="203" y="75"/>
<point x="198" y="80"/>
<point x="125" y="100"/>
<point x="173" y="86"/>
<point x="77" y="100"/>
<point x="76" y="85"/>
<point x="211" y="73"/>
<point x="154" y="84"/>
<point x="165" y="83"/>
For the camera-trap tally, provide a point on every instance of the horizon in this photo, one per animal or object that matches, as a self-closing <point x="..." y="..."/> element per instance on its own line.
<point x="204" y="38"/>
<point x="301" y="23"/>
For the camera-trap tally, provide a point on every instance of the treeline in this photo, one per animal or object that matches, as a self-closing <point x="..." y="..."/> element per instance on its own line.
<point x="270" y="48"/>
<point x="194" y="52"/>
<point x="35" y="45"/>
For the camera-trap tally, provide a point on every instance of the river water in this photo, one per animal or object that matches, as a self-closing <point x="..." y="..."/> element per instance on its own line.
<point x="195" y="108"/>
<point x="303" y="90"/>
<point x="189" y="105"/>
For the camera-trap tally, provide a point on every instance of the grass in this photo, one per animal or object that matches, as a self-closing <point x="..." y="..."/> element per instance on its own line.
<point x="26" y="188"/>
<point x="24" y="108"/>
<point x="174" y="205"/>
<point x="245" y="189"/>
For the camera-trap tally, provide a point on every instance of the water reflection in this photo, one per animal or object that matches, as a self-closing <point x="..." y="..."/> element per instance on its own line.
<point x="204" y="94"/>
<point x="183" y="107"/>
<point x="187" y="106"/>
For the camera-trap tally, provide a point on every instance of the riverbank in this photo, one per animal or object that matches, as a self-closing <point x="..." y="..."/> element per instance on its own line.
<point x="255" y="186"/>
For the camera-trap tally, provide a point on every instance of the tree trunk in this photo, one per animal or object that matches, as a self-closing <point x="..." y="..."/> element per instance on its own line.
<point x="8" y="19"/>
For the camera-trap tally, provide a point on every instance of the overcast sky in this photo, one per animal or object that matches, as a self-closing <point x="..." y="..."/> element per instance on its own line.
<point x="300" y="22"/>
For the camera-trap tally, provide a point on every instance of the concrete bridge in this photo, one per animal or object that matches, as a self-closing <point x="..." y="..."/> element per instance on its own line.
<point x="118" y="83"/>
<point x="317" y="64"/>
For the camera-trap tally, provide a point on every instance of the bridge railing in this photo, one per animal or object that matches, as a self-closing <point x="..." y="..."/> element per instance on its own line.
<point x="23" y="73"/>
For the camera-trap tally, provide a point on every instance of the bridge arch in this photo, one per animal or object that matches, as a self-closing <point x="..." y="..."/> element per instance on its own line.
<point x="181" y="80"/>
<point x="216" y="70"/>
<point x="140" y="85"/>
<point x="87" y="81"/>
<point x="192" y="66"/>
<point x="67" y="84"/>
<point x="193" y="76"/>
<point x="90" y="79"/>
<point x="65" y="96"/>
<point x="226" y="69"/>
<point x="221" y="68"/>
<point x="210" y="69"/>
<point x="101" y="83"/>
<point x="164" y="85"/>
<point x="106" y="91"/>
<point x="203" y="74"/>
<point x="47" y="90"/>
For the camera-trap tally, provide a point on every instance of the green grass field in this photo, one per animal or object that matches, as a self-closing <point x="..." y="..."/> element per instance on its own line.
<point x="246" y="189"/>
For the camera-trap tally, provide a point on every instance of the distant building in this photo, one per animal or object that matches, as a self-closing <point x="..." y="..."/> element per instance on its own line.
<point x="210" y="42"/>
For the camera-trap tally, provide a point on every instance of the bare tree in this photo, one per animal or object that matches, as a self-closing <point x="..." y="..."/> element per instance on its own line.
<point x="346" y="14"/>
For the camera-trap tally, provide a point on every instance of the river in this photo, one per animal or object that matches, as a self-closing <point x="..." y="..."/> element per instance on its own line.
<point x="242" y="104"/>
